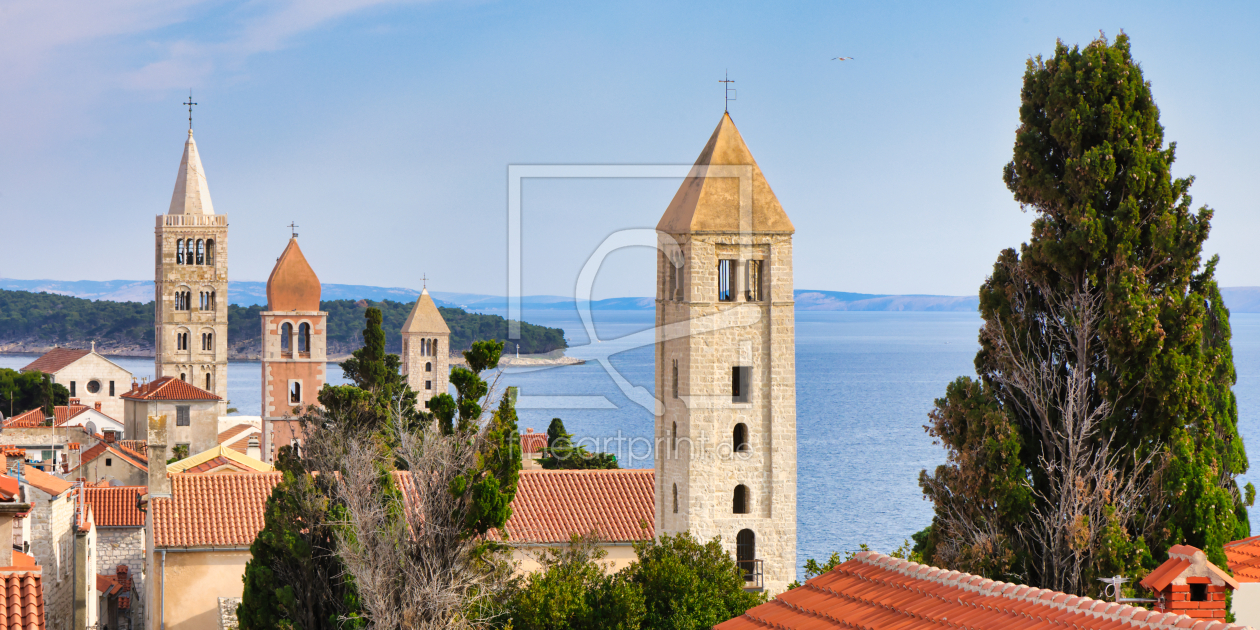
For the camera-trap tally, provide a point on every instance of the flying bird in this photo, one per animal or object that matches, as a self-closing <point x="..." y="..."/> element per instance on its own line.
<point x="841" y="58"/>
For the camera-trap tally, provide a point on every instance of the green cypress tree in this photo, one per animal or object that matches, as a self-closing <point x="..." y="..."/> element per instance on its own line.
<point x="1111" y="304"/>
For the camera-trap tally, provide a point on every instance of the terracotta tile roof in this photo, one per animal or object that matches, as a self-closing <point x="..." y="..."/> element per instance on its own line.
<point x="139" y="447"/>
<point x="103" y="448"/>
<point x="1244" y="559"/>
<point x="217" y="463"/>
<point x="45" y="481"/>
<point x="62" y="413"/>
<point x="106" y="584"/>
<point x="532" y="442"/>
<point x="9" y="488"/>
<point x="32" y="418"/>
<point x="553" y="505"/>
<point x="21" y="600"/>
<point x="237" y="437"/>
<point x="235" y="431"/>
<point x="1180" y="558"/>
<point x="168" y="388"/>
<point x="876" y="591"/>
<point x="212" y="510"/>
<point x="195" y="463"/>
<point x="12" y="451"/>
<point x="115" y="506"/>
<point x="54" y="360"/>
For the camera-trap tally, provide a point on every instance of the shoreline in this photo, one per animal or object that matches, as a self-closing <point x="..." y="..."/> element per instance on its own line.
<point x="535" y="360"/>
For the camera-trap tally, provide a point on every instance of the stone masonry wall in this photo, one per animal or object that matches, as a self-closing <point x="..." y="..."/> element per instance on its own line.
<point x="170" y="278"/>
<point x="695" y="431"/>
<point x="124" y="545"/>
<point x="52" y="545"/>
<point x="413" y="362"/>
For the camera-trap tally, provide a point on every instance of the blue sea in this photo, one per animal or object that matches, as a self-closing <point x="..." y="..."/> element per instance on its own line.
<point x="865" y="382"/>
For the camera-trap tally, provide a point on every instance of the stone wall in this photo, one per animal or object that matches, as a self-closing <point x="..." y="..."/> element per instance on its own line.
<point x="124" y="545"/>
<point x="95" y="368"/>
<point x="696" y="460"/>
<point x="414" y="362"/>
<point x="170" y="278"/>
<point x="52" y="545"/>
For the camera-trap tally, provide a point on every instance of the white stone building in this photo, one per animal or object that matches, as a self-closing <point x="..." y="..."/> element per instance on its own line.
<point x="190" y="281"/>
<point x="726" y="364"/>
<point x="89" y="376"/>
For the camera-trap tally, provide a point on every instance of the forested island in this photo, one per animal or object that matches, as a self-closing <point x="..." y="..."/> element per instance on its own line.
<point x="31" y="322"/>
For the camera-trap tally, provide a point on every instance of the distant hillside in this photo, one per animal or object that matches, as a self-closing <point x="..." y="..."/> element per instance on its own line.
<point x="248" y="293"/>
<point x="32" y="322"/>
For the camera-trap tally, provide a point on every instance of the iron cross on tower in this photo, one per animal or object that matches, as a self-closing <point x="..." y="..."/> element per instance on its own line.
<point x="293" y="226"/>
<point x="190" y="104"/>
<point x="729" y="90"/>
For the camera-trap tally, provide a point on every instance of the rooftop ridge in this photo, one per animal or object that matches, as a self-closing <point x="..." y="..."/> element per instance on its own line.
<point x="1112" y="611"/>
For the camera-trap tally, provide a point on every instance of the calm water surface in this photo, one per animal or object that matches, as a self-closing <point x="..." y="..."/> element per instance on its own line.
<point x="865" y="382"/>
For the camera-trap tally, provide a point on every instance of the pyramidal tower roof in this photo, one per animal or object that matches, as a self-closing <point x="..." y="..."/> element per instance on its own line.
<point x="293" y="285"/>
<point x="425" y="317"/>
<point x="192" y="194"/>
<point x="709" y="199"/>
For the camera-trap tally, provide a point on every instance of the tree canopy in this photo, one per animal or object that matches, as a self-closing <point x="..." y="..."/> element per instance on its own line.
<point x="1102" y="428"/>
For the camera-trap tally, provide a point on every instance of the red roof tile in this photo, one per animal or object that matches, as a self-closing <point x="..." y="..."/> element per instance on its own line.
<point x="106" y="584"/>
<point x="139" y="447"/>
<point x="1180" y="558"/>
<point x="56" y="359"/>
<point x="115" y="506"/>
<point x="45" y="481"/>
<point x="553" y="505"/>
<point x="876" y="591"/>
<point x="32" y="418"/>
<point x="124" y="455"/>
<point x="532" y="442"/>
<point x="63" y="413"/>
<point x="235" y="431"/>
<point x="217" y="462"/>
<point x="9" y="488"/>
<point x="212" y="510"/>
<point x="21" y="600"/>
<point x="1244" y="559"/>
<point x="168" y="388"/>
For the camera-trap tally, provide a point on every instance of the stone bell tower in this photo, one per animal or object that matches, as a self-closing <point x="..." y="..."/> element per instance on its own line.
<point x="726" y="364"/>
<point x="426" y="350"/>
<point x="190" y="283"/>
<point x="294" y="348"/>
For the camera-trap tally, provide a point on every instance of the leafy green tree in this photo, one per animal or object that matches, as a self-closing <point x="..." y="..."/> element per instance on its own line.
<point x="379" y="388"/>
<point x="21" y="392"/>
<point x="688" y="585"/>
<point x="294" y="579"/>
<point x="1105" y="336"/>
<point x="573" y="591"/>
<point x="470" y="387"/>
<point x="562" y="454"/>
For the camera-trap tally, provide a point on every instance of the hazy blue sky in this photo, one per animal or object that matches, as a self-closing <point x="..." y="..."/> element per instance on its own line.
<point x="385" y="129"/>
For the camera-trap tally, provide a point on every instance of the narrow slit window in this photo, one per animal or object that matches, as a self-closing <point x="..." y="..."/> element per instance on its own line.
<point x="201" y="252"/>
<point x="210" y="252"/>
<point x="673" y="440"/>
<point x="725" y="294"/>
<point x="179" y="252"/>
<point x="739" y="441"/>
<point x="675" y="379"/>
<point x="753" y="291"/>
<point x="739" y="383"/>
<point x="295" y="392"/>
<point x="740" y="503"/>
<point x="675" y="498"/>
<point x="671" y="280"/>
<point x="207" y="381"/>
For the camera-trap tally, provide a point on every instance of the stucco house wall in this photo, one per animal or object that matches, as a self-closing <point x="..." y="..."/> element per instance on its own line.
<point x="525" y="558"/>
<point x="201" y="434"/>
<point x="110" y="466"/>
<point x="189" y="585"/>
<point x="95" y="369"/>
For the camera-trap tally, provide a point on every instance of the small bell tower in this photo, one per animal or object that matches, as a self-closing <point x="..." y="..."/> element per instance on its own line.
<point x="426" y="350"/>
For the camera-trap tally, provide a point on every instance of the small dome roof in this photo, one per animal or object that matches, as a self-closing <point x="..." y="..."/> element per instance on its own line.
<point x="293" y="285"/>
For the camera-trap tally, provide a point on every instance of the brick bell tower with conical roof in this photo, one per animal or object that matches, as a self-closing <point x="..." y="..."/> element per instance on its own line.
<point x="294" y="348"/>
<point x="190" y="283"/>
<point x="726" y="364"/>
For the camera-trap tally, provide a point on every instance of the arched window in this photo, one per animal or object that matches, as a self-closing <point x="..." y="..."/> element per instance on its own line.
<point x="428" y="366"/>
<point x="210" y="252"/>
<point x="304" y="337"/>
<point x="189" y="254"/>
<point x="739" y="441"/>
<point x="201" y="252"/>
<point x="675" y="498"/>
<point x="207" y="381"/>
<point x="673" y="440"/>
<point x="183" y="377"/>
<point x="434" y="347"/>
<point x="746" y="552"/>
<point x="286" y="331"/>
<point x="209" y="341"/>
<point x="212" y="300"/>
<point x="295" y="392"/>
<point x="741" y="500"/>
<point x="179" y="252"/>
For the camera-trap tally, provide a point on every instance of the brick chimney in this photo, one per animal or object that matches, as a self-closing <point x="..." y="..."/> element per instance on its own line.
<point x="159" y="483"/>
<point x="1187" y="584"/>
<point x="98" y="405"/>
